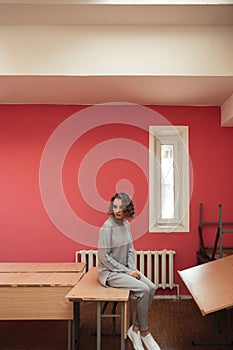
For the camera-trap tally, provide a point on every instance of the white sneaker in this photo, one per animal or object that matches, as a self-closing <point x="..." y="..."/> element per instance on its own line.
<point x="150" y="343"/>
<point x="135" y="339"/>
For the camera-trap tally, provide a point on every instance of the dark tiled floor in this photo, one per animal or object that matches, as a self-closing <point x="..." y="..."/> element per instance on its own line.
<point x="173" y="323"/>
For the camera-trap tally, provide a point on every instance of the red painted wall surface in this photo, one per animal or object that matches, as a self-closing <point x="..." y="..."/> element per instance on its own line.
<point x="27" y="232"/>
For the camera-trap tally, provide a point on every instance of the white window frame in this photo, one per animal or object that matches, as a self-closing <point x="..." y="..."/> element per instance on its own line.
<point x="178" y="137"/>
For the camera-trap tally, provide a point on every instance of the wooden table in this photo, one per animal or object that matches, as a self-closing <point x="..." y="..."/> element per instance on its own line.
<point x="89" y="289"/>
<point x="211" y="286"/>
<point x="41" y="267"/>
<point x="30" y="295"/>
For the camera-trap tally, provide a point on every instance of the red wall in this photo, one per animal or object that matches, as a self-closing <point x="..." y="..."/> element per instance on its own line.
<point x="26" y="231"/>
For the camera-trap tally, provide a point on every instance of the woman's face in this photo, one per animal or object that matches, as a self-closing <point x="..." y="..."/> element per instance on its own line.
<point x="118" y="209"/>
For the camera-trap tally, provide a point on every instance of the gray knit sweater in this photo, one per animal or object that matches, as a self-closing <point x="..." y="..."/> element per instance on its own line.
<point x="115" y="248"/>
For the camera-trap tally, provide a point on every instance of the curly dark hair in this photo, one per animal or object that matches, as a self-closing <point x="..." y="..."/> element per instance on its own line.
<point x="127" y="203"/>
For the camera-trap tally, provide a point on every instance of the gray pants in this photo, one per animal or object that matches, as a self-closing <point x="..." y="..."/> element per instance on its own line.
<point x="143" y="290"/>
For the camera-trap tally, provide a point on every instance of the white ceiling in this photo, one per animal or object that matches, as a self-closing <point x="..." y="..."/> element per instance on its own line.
<point x="165" y="90"/>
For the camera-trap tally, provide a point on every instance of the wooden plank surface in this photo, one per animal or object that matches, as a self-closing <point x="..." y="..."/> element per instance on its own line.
<point x="41" y="267"/>
<point x="211" y="284"/>
<point x="35" y="303"/>
<point x="89" y="288"/>
<point x="39" y="278"/>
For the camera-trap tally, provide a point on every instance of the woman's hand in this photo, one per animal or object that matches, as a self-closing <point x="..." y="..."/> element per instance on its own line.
<point x="135" y="274"/>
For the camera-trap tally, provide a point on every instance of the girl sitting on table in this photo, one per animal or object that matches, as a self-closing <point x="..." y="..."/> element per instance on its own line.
<point x="117" y="268"/>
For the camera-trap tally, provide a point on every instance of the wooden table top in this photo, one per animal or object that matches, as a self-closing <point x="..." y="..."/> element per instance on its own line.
<point x="211" y="284"/>
<point x="41" y="267"/>
<point x="17" y="279"/>
<point x="89" y="289"/>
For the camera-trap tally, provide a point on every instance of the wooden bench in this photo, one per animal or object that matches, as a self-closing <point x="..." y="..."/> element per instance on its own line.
<point x="89" y="289"/>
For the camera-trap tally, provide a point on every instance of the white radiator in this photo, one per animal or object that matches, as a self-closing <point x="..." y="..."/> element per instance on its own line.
<point x="157" y="265"/>
<point x="89" y="257"/>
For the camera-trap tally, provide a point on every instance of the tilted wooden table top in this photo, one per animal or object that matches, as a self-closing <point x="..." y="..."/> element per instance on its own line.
<point x="211" y="284"/>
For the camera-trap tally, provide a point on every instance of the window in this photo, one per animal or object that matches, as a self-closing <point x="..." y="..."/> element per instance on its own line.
<point x="169" y="179"/>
